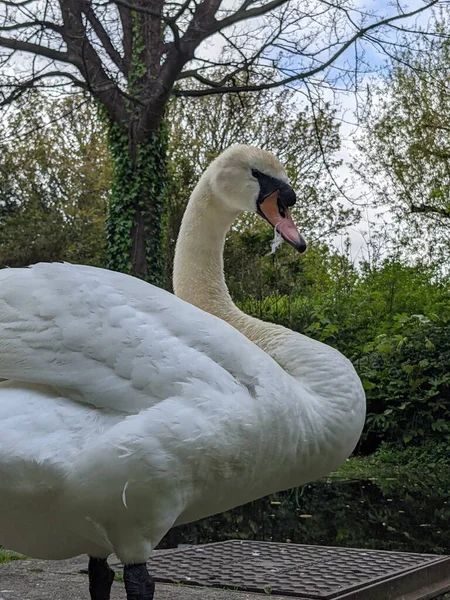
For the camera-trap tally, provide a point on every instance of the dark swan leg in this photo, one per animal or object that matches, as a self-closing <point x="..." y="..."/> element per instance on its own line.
<point x="101" y="577"/>
<point x="138" y="583"/>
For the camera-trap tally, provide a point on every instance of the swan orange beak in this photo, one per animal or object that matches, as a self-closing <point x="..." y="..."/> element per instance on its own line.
<point x="278" y="215"/>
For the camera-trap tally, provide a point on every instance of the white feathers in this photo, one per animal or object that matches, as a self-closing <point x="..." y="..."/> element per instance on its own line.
<point x="277" y="240"/>
<point x="114" y="342"/>
<point x="124" y="494"/>
<point x="154" y="391"/>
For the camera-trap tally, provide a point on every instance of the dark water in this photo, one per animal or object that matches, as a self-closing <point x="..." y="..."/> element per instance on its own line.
<point x="405" y="514"/>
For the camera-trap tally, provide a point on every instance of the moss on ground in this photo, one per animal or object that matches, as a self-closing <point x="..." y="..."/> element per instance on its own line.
<point x="8" y="556"/>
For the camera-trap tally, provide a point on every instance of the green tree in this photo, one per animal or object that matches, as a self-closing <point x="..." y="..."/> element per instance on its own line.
<point x="406" y="149"/>
<point x="54" y="183"/>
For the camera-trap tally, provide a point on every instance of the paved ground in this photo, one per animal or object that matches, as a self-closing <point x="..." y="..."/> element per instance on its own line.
<point x="62" y="580"/>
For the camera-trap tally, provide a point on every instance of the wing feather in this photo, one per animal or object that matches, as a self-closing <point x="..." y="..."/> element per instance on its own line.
<point x="112" y="340"/>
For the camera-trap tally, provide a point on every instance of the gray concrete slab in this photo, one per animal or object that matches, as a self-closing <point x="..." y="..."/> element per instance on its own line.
<point x="62" y="580"/>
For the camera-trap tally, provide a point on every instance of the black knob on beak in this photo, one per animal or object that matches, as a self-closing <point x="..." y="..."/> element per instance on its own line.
<point x="287" y="196"/>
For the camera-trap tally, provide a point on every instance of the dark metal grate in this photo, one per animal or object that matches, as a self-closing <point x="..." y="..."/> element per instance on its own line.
<point x="315" y="572"/>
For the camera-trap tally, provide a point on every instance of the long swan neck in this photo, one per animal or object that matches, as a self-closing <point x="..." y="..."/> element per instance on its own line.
<point x="198" y="275"/>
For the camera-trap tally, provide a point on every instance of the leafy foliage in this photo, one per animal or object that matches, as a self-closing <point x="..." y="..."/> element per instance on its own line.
<point x="54" y="181"/>
<point x="8" y="556"/>
<point x="137" y="205"/>
<point x="392" y="321"/>
<point x="406" y="375"/>
<point x="406" y="147"/>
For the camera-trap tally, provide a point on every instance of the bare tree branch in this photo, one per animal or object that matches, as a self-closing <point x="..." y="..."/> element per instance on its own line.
<point x="180" y="11"/>
<point x="27" y="24"/>
<point x="140" y="8"/>
<point x="18" y="91"/>
<point x="103" y="36"/>
<point x="202" y="23"/>
<point x="22" y="46"/>
<point x="106" y="70"/>
<point x="88" y="61"/>
<point x="305" y="74"/>
<point x="242" y="14"/>
<point x="16" y="4"/>
<point x="194" y="74"/>
<point x="127" y="36"/>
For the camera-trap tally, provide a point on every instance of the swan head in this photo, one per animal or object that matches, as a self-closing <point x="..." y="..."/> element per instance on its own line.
<point x="245" y="178"/>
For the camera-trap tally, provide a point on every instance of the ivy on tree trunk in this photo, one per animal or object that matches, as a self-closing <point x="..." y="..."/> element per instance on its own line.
<point x="135" y="227"/>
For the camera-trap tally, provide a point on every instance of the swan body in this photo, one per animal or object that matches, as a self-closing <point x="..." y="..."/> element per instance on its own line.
<point x="127" y="410"/>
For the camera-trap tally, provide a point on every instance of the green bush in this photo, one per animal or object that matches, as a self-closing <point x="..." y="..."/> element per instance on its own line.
<point x="406" y="375"/>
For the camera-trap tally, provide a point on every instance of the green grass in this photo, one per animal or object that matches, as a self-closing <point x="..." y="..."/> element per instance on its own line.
<point x="118" y="576"/>
<point x="365" y="467"/>
<point x="8" y="556"/>
<point x="391" y="460"/>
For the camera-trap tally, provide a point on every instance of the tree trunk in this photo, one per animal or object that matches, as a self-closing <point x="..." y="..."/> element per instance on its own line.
<point x="135" y="243"/>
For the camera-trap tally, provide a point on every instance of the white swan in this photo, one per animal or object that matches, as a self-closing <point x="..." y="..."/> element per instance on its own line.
<point x="128" y="410"/>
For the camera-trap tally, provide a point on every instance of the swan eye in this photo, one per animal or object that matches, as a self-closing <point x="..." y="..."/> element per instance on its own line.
<point x="256" y="173"/>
